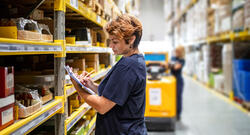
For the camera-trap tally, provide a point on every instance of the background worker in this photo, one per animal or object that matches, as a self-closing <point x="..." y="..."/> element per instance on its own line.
<point x="120" y="102"/>
<point x="176" y="64"/>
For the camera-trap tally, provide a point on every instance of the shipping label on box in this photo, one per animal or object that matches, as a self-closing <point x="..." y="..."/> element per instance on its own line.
<point x="7" y="115"/>
<point x="10" y="81"/>
<point x="6" y="81"/>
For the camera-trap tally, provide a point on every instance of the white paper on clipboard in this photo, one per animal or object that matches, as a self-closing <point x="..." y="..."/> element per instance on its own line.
<point x="72" y="75"/>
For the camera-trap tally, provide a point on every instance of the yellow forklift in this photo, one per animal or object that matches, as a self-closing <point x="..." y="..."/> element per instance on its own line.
<point x="160" y="112"/>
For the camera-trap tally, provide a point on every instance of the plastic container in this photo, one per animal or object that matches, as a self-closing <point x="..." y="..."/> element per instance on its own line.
<point x="241" y="64"/>
<point x="245" y="85"/>
<point x="240" y="78"/>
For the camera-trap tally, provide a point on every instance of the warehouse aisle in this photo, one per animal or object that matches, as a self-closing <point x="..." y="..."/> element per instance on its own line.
<point x="206" y="114"/>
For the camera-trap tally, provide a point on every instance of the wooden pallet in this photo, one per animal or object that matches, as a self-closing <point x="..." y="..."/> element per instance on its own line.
<point x="107" y="17"/>
<point x="98" y="9"/>
<point x="88" y="3"/>
<point x="223" y="33"/>
<point x="246" y="105"/>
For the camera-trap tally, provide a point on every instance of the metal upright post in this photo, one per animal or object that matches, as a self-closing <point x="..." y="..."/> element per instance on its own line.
<point x="59" y="62"/>
<point x="173" y="23"/>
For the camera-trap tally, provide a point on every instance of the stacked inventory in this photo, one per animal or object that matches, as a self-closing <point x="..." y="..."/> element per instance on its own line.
<point x="216" y="36"/>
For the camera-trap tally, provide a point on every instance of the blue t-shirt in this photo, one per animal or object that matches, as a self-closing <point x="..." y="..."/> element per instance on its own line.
<point x="125" y="85"/>
<point x="177" y="73"/>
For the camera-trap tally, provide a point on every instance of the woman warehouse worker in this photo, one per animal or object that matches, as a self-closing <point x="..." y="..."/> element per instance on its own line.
<point x="176" y="64"/>
<point x="120" y="102"/>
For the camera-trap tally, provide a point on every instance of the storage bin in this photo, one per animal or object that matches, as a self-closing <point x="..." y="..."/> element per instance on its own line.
<point x="245" y="85"/>
<point x="242" y="64"/>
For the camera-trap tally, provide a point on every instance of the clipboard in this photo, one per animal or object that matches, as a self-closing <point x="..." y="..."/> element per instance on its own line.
<point x="72" y="75"/>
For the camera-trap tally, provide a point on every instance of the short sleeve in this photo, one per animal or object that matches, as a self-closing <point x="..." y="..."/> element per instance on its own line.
<point x="119" y="85"/>
<point x="182" y="62"/>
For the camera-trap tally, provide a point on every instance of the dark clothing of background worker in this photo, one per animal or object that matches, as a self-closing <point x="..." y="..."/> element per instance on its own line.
<point x="176" y="64"/>
<point x="120" y="102"/>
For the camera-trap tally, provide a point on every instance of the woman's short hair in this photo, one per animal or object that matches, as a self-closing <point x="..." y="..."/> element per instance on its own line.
<point x="124" y="27"/>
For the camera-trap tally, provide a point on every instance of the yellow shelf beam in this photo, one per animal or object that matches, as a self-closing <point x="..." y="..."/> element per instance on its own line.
<point x="76" y="116"/>
<point x="91" y="126"/>
<point x="231" y="36"/>
<point x="86" y="12"/>
<point x="17" y="41"/>
<point x="24" y="126"/>
<point x="23" y="47"/>
<point x="70" y="48"/>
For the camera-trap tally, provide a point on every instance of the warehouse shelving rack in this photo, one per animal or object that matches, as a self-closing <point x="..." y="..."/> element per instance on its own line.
<point x="189" y="6"/>
<point x="59" y="48"/>
<point x="228" y="37"/>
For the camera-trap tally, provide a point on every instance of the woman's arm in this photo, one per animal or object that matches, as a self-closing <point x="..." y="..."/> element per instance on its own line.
<point x="99" y="103"/>
<point x="177" y="66"/>
<point x="87" y="81"/>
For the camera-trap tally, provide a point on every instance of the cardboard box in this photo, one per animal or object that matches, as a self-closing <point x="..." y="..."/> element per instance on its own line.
<point x="70" y="40"/>
<point x="37" y="14"/>
<point x="34" y="79"/>
<point x="92" y="61"/>
<point x="6" y="111"/>
<point x="94" y="65"/>
<point x="79" y="63"/>
<point x="8" y="32"/>
<point x="91" y="57"/>
<point x="6" y="81"/>
<point x="238" y="19"/>
<point x="247" y="9"/>
<point x="93" y="35"/>
<point x="6" y="116"/>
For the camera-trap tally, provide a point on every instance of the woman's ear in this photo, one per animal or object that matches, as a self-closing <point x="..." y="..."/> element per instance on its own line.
<point x="132" y="40"/>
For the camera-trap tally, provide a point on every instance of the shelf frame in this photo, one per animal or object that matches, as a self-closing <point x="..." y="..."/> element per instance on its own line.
<point x="76" y="116"/>
<point x="22" y="47"/>
<point x="24" y="126"/>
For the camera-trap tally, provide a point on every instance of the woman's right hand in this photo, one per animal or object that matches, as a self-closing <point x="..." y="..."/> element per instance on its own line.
<point x="87" y="81"/>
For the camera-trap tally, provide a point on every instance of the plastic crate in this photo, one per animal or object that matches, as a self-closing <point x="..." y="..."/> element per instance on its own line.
<point x="242" y="64"/>
<point x="245" y="85"/>
<point x="240" y="67"/>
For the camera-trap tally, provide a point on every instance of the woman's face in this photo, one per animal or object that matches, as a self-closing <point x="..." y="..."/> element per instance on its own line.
<point x="118" y="46"/>
<point x="177" y="53"/>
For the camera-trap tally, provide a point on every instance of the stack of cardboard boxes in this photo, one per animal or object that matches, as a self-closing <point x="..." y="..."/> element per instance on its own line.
<point x="6" y="96"/>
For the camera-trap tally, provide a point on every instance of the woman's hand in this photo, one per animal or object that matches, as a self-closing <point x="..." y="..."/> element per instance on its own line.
<point x="87" y="81"/>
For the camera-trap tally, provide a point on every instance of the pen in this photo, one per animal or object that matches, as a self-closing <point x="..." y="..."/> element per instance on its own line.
<point x="89" y="73"/>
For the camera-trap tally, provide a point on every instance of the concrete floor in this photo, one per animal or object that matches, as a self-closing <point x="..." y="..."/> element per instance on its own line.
<point x="207" y="114"/>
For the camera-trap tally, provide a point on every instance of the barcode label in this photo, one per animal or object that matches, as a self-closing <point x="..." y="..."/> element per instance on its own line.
<point x="30" y="48"/>
<point x="10" y="81"/>
<point x="7" y="116"/>
<point x="74" y="3"/>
